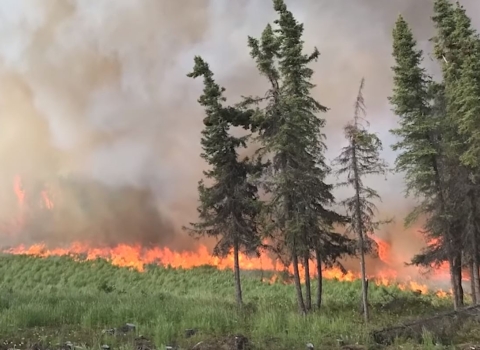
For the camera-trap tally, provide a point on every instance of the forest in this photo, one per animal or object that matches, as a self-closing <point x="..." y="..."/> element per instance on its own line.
<point x="279" y="198"/>
<point x="269" y="190"/>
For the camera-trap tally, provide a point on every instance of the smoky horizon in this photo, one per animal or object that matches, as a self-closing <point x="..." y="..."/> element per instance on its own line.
<point x="100" y="127"/>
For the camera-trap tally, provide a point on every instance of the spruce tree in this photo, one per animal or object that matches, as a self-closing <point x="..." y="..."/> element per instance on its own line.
<point x="458" y="46"/>
<point x="290" y="133"/>
<point x="454" y="208"/>
<point x="444" y="24"/>
<point x="361" y="158"/>
<point x="418" y="155"/>
<point x="229" y="206"/>
<point x="465" y="101"/>
<point x="421" y="156"/>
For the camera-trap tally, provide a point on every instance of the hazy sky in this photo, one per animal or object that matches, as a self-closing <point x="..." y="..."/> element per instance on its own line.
<point x="98" y="89"/>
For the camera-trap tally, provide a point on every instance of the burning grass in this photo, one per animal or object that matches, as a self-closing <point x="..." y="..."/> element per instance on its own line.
<point x="57" y="299"/>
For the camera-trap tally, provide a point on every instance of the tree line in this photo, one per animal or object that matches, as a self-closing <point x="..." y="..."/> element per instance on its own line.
<point x="280" y="199"/>
<point x="440" y="140"/>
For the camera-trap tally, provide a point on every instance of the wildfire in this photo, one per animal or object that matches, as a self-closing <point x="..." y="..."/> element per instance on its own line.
<point x="19" y="191"/>
<point x="46" y="200"/>
<point x="384" y="249"/>
<point x="138" y="257"/>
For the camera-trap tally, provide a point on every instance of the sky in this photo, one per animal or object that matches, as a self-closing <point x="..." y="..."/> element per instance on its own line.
<point x="96" y="91"/>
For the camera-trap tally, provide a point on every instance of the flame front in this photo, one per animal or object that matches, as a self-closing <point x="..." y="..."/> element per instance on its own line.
<point x="137" y="257"/>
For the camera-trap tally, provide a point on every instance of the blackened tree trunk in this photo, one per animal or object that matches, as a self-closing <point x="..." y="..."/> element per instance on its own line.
<point x="457" y="281"/>
<point x="474" y="276"/>
<point x="319" y="279"/>
<point x="308" y="289"/>
<point x="453" y="282"/>
<point x="473" y="287"/>
<point x="236" y="269"/>
<point x="476" y="281"/>
<point x="298" y="285"/>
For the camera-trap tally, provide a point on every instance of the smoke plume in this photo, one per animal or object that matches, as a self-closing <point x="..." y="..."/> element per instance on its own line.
<point x="95" y="102"/>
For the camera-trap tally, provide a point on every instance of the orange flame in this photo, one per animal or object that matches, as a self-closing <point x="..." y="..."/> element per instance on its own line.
<point x="46" y="200"/>
<point x="19" y="191"/>
<point x="137" y="257"/>
<point x="384" y="249"/>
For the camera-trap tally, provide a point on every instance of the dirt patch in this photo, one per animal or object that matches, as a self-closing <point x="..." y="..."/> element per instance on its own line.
<point x="236" y="342"/>
<point x="142" y="343"/>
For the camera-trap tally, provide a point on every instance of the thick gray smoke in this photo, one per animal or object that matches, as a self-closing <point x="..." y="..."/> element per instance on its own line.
<point x="97" y="90"/>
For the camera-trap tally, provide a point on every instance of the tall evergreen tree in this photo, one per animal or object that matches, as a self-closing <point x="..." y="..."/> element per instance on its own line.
<point x="421" y="157"/>
<point x="361" y="158"/>
<point x="291" y="135"/>
<point x="454" y="220"/>
<point x="468" y="100"/>
<point x="457" y="47"/>
<point x="229" y="207"/>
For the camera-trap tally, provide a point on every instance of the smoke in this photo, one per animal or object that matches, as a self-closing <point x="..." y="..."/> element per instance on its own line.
<point x="97" y="92"/>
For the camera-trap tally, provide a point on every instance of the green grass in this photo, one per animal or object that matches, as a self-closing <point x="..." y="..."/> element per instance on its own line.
<point x="57" y="299"/>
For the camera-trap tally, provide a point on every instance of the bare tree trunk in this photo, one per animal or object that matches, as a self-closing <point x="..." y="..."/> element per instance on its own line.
<point x="457" y="279"/>
<point x="476" y="282"/>
<point x="450" y="247"/>
<point x="362" y="300"/>
<point x="364" y="285"/>
<point x="298" y="286"/>
<point x="359" y="229"/>
<point x="455" y="267"/>
<point x="308" y="289"/>
<point x="453" y="283"/>
<point x="236" y="269"/>
<point x="319" y="278"/>
<point x="472" y="281"/>
<point x="475" y="256"/>
<point x="296" y="273"/>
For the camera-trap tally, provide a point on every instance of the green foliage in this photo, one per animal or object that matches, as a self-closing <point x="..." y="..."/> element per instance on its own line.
<point x="58" y="300"/>
<point x="445" y="26"/>
<point x="457" y="47"/>
<point x="440" y="142"/>
<point x="419" y="104"/>
<point x="228" y="208"/>
<point x="417" y="128"/>
<point x="447" y="50"/>
<point x="464" y="87"/>
<point x="290" y="133"/>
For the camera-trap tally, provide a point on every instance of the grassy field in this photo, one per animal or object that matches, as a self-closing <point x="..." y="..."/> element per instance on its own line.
<point x="55" y="300"/>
